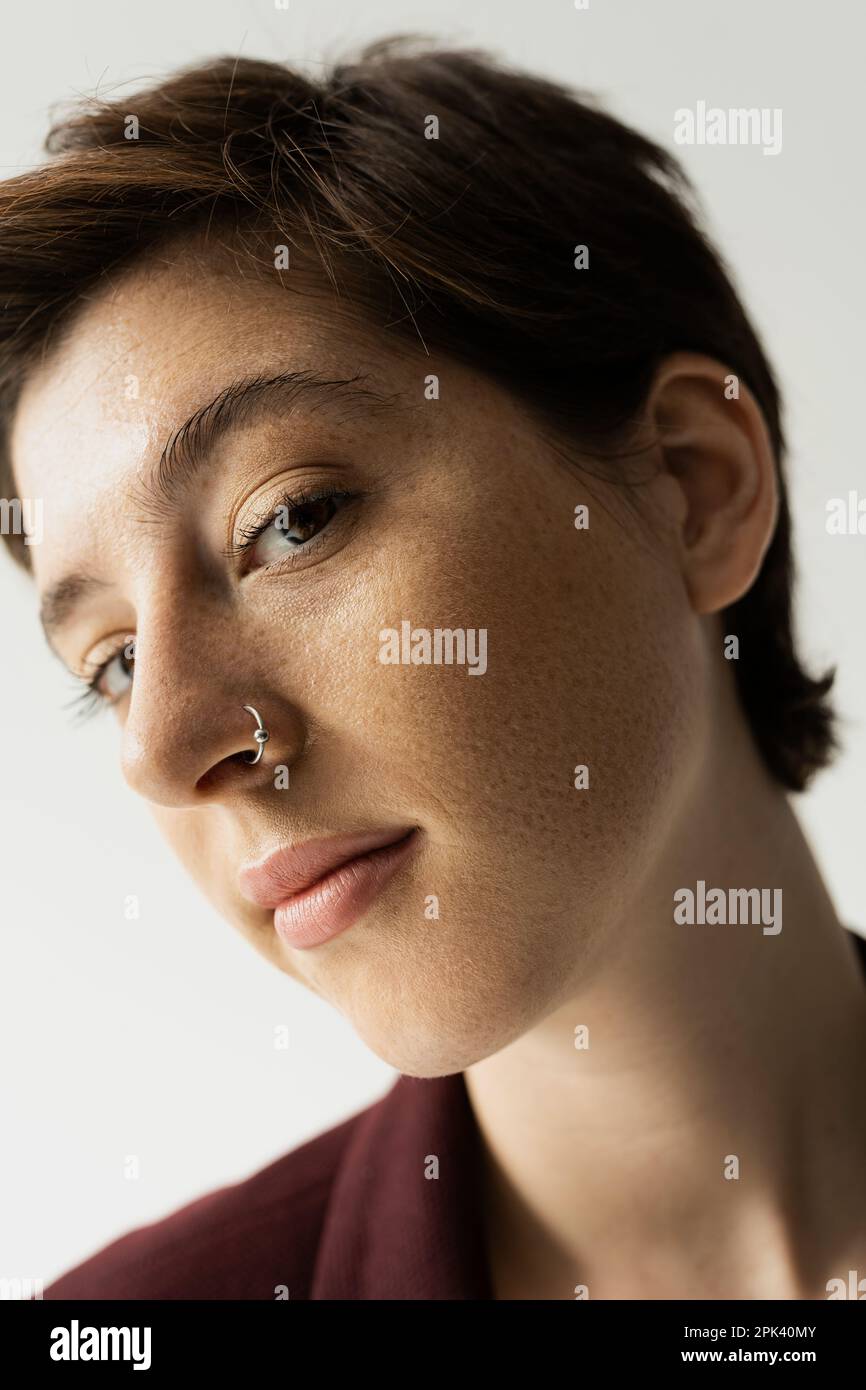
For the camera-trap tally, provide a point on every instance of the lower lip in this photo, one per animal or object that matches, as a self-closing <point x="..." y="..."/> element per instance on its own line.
<point x="336" y="902"/>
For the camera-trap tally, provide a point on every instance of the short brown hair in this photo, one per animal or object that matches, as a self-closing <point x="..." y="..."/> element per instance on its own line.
<point x="469" y="238"/>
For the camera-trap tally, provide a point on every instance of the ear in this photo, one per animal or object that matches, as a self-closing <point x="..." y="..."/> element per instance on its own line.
<point x="717" y="453"/>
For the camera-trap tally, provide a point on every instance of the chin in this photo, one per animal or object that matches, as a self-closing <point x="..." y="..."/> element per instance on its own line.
<point x="433" y="1018"/>
<point x="423" y="1057"/>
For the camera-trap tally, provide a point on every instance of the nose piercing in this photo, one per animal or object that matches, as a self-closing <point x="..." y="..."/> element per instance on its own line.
<point x="260" y="735"/>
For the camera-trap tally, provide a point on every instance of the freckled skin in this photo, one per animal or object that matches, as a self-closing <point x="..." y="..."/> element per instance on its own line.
<point x="469" y="523"/>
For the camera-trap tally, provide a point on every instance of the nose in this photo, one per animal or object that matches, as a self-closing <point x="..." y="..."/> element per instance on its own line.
<point x="206" y="732"/>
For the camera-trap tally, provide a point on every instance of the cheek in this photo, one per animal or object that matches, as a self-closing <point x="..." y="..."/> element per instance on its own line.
<point x="191" y="838"/>
<point x="199" y="839"/>
<point x="586" y="665"/>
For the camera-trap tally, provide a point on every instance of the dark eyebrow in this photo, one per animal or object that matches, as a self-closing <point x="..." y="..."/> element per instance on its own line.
<point x="63" y="597"/>
<point x="187" y="450"/>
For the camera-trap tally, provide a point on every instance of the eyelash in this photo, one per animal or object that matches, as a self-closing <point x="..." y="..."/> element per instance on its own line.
<point x="289" y="502"/>
<point x="90" y="701"/>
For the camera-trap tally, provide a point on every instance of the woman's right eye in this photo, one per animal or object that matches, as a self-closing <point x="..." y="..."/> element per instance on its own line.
<point x="110" y="680"/>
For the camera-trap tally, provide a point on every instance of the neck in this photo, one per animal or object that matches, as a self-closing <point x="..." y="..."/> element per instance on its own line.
<point x="709" y="1140"/>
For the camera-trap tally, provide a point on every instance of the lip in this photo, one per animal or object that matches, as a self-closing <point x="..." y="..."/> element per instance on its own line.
<point x="319" y="889"/>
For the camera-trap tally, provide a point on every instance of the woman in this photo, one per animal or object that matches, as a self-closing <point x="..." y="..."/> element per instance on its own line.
<point x="406" y="439"/>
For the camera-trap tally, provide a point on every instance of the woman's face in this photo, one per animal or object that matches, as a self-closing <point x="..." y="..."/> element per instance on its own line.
<point x="449" y="512"/>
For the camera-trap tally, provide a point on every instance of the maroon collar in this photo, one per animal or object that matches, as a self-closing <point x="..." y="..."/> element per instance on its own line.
<point x="392" y="1231"/>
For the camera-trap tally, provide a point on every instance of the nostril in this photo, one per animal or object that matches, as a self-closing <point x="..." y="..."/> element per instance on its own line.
<point x="223" y="770"/>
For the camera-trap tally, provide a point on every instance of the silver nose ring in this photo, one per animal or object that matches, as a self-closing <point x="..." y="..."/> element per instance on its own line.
<point x="260" y="735"/>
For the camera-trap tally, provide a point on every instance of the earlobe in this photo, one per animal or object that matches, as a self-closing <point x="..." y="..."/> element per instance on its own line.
<point x="716" y="448"/>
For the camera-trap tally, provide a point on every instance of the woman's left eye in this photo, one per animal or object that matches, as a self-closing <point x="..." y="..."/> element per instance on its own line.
<point x="290" y="528"/>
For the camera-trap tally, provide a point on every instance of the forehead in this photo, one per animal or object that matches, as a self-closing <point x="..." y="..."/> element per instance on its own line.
<point x="158" y="337"/>
<point x="155" y="344"/>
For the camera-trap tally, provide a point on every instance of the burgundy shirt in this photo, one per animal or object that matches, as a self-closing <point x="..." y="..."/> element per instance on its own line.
<point x="351" y="1214"/>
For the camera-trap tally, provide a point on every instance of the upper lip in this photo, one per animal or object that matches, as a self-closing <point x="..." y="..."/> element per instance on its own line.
<point x="288" y="870"/>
